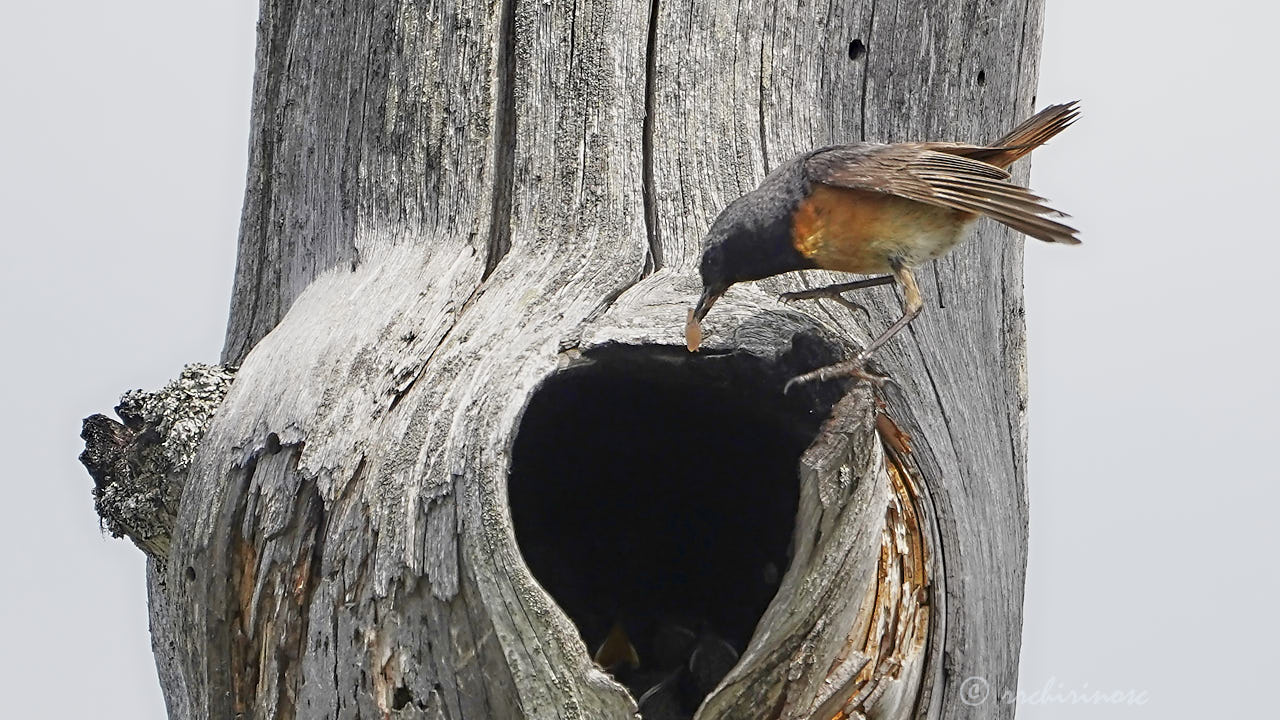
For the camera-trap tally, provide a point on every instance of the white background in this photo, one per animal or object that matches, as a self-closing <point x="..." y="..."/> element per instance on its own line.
<point x="125" y="131"/>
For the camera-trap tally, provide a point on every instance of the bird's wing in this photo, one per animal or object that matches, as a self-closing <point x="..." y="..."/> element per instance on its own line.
<point x="942" y="175"/>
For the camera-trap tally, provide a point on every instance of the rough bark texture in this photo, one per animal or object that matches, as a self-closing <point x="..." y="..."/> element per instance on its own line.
<point x="450" y="204"/>
<point x="138" y="467"/>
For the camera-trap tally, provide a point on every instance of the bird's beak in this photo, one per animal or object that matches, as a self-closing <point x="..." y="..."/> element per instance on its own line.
<point x="709" y="298"/>
<point x="693" y="326"/>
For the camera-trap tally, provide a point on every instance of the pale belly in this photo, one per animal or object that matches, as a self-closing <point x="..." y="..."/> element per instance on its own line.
<point x="862" y="232"/>
<point x="922" y="232"/>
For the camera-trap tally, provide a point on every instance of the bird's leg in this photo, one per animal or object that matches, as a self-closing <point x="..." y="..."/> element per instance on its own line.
<point x="912" y="304"/>
<point x="836" y="292"/>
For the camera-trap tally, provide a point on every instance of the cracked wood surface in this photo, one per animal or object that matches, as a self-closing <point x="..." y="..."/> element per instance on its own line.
<point x="445" y="203"/>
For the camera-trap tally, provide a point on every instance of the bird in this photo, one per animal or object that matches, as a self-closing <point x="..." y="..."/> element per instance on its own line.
<point x="617" y="650"/>
<point x="874" y="209"/>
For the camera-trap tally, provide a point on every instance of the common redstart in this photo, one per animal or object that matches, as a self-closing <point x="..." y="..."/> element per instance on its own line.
<point x="874" y="209"/>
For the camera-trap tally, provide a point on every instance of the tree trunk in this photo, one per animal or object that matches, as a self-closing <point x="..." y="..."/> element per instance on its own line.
<point x="470" y="237"/>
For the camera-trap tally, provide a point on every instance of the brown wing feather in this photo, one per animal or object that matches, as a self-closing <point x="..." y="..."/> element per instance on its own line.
<point x="932" y="173"/>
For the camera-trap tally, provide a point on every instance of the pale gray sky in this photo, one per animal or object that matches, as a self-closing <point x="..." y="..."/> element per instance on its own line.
<point x="1152" y="363"/>
<point x="125" y="131"/>
<point x="1151" y="346"/>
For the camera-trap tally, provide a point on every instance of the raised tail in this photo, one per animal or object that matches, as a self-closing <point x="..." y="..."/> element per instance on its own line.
<point x="1029" y="135"/>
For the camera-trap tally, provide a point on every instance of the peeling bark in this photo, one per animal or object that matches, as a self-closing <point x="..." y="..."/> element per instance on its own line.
<point x="451" y="209"/>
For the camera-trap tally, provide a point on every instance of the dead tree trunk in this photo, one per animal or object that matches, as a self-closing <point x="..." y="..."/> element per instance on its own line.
<point x="469" y="241"/>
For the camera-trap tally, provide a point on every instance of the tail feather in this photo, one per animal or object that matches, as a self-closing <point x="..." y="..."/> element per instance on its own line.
<point x="1029" y="134"/>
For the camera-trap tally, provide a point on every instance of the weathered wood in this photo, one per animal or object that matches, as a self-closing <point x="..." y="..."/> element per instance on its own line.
<point x="139" y="467"/>
<point x="447" y="205"/>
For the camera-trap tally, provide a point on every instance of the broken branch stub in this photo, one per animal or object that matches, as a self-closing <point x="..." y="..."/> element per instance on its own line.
<point x="138" y="467"/>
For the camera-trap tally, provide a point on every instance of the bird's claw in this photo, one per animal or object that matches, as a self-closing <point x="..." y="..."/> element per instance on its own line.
<point x="795" y="295"/>
<point x="819" y="293"/>
<point x="856" y="368"/>
<point x="852" y="306"/>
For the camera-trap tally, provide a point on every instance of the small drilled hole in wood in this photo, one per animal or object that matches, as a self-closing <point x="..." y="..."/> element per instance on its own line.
<point x="982" y="77"/>
<point x="857" y="49"/>
<point x="190" y="574"/>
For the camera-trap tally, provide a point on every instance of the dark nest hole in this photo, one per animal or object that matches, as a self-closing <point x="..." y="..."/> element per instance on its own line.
<point x="654" y="496"/>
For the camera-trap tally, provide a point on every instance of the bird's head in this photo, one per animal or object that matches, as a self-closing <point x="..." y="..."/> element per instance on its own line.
<point x="717" y="276"/>
<point x="716" y="269"/>
<point x="746" y="242"/>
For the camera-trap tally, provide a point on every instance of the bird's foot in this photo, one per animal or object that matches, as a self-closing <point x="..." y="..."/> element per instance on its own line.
<point x="830" y="293"/>
<point x="856" y="368"/>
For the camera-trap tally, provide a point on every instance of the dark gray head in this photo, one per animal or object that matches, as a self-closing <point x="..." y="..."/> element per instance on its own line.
<point x="750" y="240"/>
<point x="715" y="277"/>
